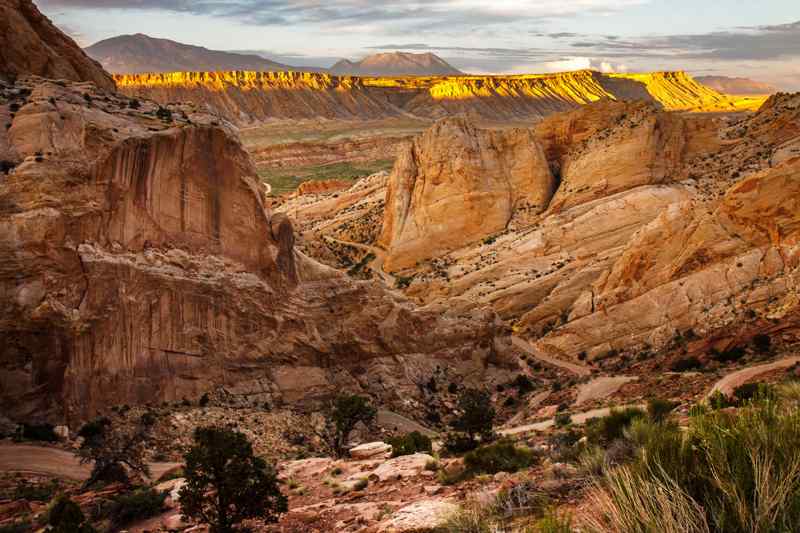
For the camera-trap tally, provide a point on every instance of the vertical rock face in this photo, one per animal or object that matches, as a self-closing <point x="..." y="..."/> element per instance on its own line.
<point x="31" y="44"/>
<point x="456" y="184"/>
<point x="139" y="264"/>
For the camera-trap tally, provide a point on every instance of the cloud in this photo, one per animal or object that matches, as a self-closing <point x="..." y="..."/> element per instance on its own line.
<point x="584" y="63"/>
<point x="751" y="43"/>
<point x="417" y="14"/>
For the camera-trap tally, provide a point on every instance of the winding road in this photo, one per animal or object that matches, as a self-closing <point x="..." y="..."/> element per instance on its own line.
<point x="736" y="379"/>
<point x="376" y="265"/>
<point x="575" y="368"/>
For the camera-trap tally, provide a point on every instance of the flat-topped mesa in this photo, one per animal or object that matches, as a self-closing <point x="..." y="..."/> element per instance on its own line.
<point x="239" y="78"/>
<point x="244" y="97"/>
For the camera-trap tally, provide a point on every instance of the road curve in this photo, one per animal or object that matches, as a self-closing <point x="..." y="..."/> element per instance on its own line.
<point x="575" y="368"/>
<point x="577" y="419"/>
<point x="736" y="379"/>
<point x="55" y="462"/>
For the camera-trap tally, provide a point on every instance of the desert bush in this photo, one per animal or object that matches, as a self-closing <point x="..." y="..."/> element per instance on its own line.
<point x="554" y="522"/>
<point x="523" y="384"/>
<point x="36" y="492"/>
<point x="685" y="364"/>
<point x="473" y="423"/>
<point x="226" y="483"/>
<point x="607" y="429"/>
<point x="39" y="432"/>
<point x="411" y="443"/>
<point x="730" y="355"/>
<point x="729" y="472"/>
<point x="346" y="411"/>
<point x="501" y="456"/>
<point x="111" y="450"/>
<point x="137" y="505"/>
<point x="65" y="516"/>
<point x="762" y="343"/>
<point x="753" y="391"/>
<point x="562" y="420"/>
<point x="17" y="527"/>
<point x="659" y="410"/>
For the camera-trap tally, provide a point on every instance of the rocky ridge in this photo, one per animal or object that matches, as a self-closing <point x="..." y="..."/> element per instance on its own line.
<point x="31" y="44"/>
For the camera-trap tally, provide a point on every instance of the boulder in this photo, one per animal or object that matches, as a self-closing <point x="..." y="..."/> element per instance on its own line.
<point x="371" y="450"/>
<point x="423" y="515"/>
<point x="405" y="466"/>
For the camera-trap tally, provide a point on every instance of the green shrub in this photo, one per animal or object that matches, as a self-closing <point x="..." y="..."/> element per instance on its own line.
<point x="659" y="410"/>
<point x="36" y="492"/>
<point x="554" y="522"/>
<point x="523" y="384"/>
<point x="502" y="456"/>
<point x="66" y="517"/>
<point x="762" y="343"/>
<point x="137" y="505"/>
<point x="728" y="356"/>
<point x="685" y="364"/>
<point x="361" y="484"/>
<point x="39" y="432"/>
<point x="411" y="443"/>
<point x="17" y="527"/>
<point x="562" y="420"/>
<point x="475" y="418"/>
<point x="753" y="391"/>
<point x="610" y="428"/>
<point x="729" y="472"/>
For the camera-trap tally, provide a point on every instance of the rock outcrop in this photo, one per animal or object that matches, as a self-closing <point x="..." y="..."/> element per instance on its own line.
<point x="664" y="226"/>
<point x="455" y="185"/>
<point x="248" y="97"/>
<point x="31" y="44"/>
<point x="138" y="263"/>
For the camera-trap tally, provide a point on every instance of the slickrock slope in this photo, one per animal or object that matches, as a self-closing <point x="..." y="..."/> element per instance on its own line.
<point x="133" y="54"/>
<point x="139" y="264"/>
<point x="455" y="185"/>
<point x="31" y="44"/>
<point x="396" y="64"/>
<point x="246" y="97"/>
<point x="664" y="226"/>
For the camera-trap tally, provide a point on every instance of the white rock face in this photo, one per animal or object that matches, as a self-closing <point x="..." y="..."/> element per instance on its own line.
<point x="419" y="516"/>
<point x="402" y="467"/>
<point x="371" y="450"/>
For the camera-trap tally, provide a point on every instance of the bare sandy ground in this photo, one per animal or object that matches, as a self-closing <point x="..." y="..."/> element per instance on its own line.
<point x="600" y="388"/>
<point x="55" y="462"/>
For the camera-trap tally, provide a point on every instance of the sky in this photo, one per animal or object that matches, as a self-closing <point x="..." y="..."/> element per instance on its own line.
<point x="759" y="39"/>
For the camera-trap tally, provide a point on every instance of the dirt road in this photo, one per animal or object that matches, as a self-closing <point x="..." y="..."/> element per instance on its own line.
<point x="55" y="462"/>
<point x="575" y="368"/>
<point x="736" y="379"/>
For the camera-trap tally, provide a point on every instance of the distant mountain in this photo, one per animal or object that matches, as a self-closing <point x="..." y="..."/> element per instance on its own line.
<point x="396" y="64"/>
<point x="728" y="85"/>
<point x="133" y="54"/>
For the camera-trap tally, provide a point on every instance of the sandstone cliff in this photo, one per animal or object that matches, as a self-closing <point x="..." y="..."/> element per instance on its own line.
<point x="138" y="263"/>
<point x="31" y="44"/>
<point x="455" y="185"/>
<point x="245" y="97"/>
<point x="664" y="226"/>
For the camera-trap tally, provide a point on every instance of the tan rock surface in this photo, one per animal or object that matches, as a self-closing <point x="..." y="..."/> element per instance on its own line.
<point x="31" y="44"/>
<point x="140" y="264"/>
<point x="456" y="185"/>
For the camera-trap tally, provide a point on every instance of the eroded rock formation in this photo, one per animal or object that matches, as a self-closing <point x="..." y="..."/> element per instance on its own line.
<point x="31" y="44"/>
<point x="140" y="264"/>
<point x="665" y="226"/>
<point x="456" y="184"/>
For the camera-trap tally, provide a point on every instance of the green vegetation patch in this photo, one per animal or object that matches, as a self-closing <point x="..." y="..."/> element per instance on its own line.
<point x="286" y="180"/>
